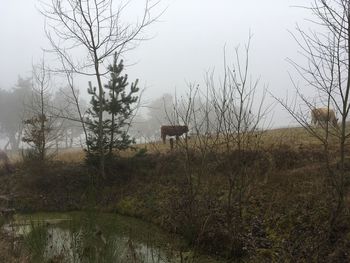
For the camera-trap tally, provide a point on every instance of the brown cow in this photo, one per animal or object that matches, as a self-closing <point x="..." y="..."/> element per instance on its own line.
<point x="172" y="130"/>
<point x="320" y="116"/>
<point x="6" y="162"/>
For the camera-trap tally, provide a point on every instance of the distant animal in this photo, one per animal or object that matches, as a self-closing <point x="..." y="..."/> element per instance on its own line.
<point x="320" y="116"/>
<point x="6" y="162"/>
<point x="172" y="130"/>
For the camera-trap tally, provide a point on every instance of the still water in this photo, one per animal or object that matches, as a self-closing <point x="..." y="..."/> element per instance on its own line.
<point x="91" y="237"/>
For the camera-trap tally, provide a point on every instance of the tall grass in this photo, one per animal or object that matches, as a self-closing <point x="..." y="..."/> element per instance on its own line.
<point x="82" y="240"/>
<point x="36" y="241"/>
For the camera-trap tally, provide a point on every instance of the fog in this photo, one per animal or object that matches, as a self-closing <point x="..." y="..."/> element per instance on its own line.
<point x="186" y="42"/>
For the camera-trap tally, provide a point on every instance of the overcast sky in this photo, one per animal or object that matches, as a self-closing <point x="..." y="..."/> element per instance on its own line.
<point x="187" y="42"/>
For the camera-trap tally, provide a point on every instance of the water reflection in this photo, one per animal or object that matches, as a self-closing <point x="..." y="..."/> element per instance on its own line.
<point x="78" y="247"/>
<point x="91" y="238"/>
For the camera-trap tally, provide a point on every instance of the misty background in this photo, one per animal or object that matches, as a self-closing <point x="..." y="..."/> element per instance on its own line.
<point x="186" y="42"/>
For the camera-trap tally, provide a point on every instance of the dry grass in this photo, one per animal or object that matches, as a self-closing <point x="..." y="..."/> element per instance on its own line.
<point x="294" y="137"/>
<point x="72" y="155"/>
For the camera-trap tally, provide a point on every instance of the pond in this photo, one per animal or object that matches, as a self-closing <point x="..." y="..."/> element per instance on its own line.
<point x="91" y="237"/>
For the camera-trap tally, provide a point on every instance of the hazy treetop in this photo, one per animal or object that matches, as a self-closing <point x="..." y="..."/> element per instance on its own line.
<point x="187" y="42"/>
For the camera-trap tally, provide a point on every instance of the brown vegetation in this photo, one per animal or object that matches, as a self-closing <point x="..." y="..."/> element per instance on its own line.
<point x="283" y="214"/>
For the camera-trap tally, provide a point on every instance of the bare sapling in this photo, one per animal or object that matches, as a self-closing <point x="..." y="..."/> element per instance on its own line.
<point x="41" y="128"/>
<point x="240" y="113"/>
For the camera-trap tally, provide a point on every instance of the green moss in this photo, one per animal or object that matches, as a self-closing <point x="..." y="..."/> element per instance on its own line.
<point x="129" y="206"/>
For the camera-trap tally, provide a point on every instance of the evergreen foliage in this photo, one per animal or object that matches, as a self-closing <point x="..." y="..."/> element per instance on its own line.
<point x="36" y="133"/>
<point x="117" y="107"/>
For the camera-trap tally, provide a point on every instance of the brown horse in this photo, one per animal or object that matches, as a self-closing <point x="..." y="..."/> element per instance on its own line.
<point x="172" y="130"/>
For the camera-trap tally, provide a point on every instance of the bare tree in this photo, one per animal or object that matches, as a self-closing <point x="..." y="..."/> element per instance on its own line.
<point x="241" y="117"/>
<point x="326" y="51"/>
<point x="97" y="27"/>
<point x="41" y="129"/>
<point x="70" y="109"/>
<point x="73" y="99"/>
<point x="227" y="119"/>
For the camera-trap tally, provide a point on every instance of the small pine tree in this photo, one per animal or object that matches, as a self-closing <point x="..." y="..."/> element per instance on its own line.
<point x="119" y="107"/>
<point x="117" y="104"/>
<point x="93" y="152"/>
<point x="36" y="131"/>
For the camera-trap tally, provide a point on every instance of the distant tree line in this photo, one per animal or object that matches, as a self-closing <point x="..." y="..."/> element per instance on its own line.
<point x="19" y="105"/>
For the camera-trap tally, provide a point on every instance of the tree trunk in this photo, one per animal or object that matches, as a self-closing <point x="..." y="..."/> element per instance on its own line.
<point x="100" y="119"/>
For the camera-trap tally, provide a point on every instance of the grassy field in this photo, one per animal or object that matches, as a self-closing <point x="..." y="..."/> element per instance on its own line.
<point x="295" y="137"/>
